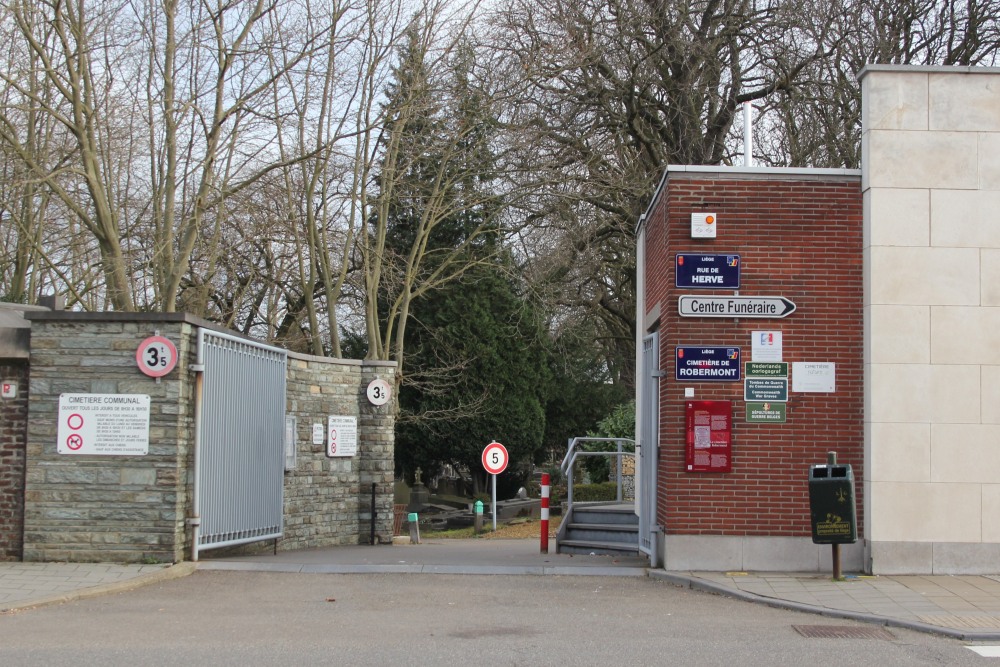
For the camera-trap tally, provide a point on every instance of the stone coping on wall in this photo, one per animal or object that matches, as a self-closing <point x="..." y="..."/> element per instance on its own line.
<point x="186" y="318"/>
<point x="298" y="356"/>
<point x="778" y="173"/>
<point x="928" y="69"/>
<point x="119" y="316"/>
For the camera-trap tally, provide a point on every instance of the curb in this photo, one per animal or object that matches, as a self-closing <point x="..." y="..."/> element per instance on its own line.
<point x="417" y="568"/>
<point x="694" y="583"/>
<point x="175" y="571"/>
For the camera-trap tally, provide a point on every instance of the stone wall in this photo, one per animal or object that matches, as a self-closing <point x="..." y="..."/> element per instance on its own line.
<point x="931" y="140"/>
<point x="13" y="427"/>
<point x="328" y="499"/>
<point x="132" y="508"/>
<point x="107" y="508"/>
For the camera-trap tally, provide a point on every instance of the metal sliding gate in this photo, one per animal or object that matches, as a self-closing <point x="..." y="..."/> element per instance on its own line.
<point x="239" y="442"/>
<point x="648" y="446"/>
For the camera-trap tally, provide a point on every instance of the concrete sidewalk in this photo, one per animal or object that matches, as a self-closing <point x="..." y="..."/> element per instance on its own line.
<point x="962" y="607"/>
<point x="26" y="585"/>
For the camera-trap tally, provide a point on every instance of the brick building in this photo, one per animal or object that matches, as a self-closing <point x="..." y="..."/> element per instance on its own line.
<point x="892" y="347"/>
<point x="793" y="234"/>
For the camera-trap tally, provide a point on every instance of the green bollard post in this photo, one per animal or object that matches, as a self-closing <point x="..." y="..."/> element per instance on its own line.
<point x="414" y="528"/>
<point x="478" y="524"/>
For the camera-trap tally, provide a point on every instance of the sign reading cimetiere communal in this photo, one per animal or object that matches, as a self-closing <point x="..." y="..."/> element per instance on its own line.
<point x="103" y="424"/>
<point x="690" y="305"/>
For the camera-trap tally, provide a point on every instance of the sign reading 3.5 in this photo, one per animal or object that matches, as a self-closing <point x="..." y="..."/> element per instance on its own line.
<point x="156" y="356"/>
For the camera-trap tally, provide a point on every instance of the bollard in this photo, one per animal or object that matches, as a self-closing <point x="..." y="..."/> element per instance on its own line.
<point x="478" y="521"/>
<point x="545" y="512"/>
<point x="414" y="528"/>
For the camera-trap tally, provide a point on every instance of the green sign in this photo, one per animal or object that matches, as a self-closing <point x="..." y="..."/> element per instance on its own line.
<point x="773" y="413"/>
<point x="765" y="389"/>
<point x="778" y="369"/>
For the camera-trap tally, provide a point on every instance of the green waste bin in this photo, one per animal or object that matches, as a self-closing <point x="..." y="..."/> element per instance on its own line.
<point x="831" y="504"/>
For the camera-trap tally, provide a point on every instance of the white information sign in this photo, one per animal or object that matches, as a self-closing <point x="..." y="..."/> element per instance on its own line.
<point x="703" y="225"/>
<point x="766" y="346"/>
<point x="342" y="436"/>
<point x="103" y="424"/>
<point x="291" y="441"/>
<point x="8" y="390"/>
<point x="819" y="377"/>
<point x="318" y="433"/>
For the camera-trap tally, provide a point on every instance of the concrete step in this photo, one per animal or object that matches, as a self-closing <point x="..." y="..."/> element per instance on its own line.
<point x="598" y="547"/>
<point x="603" y="532"/>
<point x="604" y="515"/>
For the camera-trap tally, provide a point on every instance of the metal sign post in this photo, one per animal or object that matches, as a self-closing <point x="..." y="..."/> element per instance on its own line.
<point x="495" y="462"/>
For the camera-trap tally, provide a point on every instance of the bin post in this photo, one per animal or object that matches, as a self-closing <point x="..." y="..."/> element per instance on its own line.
<point x="831" y="460"/>
<point x="832" y="507"/>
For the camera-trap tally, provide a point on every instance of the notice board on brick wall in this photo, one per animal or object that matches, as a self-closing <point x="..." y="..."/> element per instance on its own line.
<point x="709" y="436"/>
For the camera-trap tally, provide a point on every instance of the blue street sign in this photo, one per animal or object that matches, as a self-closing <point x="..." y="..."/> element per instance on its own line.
<point x="718" y="271"/>
<point x="713" y="364"/>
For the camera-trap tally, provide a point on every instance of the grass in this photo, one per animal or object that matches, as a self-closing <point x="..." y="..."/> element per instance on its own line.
<point x="516" y="529"/>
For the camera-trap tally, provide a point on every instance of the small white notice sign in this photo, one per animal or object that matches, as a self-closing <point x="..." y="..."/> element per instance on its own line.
<point x="103" y="424"/>
<point x="703" y="225"/>
<point x="318" y="433"/>
<point x="766" y="346"/>
<point x="819" y="377"/>
<point x="342" y="436"/>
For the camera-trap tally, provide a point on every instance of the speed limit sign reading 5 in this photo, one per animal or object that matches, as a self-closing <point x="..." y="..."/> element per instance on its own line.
<point x="156" y="356"/>
<point x="495" y="458"/>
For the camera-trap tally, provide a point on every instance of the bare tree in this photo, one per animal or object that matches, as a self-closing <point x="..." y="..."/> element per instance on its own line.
<point x="615" y="92"/>
<point x="818" y="123"/>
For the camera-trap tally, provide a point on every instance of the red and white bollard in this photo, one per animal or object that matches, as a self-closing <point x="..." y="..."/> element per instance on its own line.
<point x="545" y="513"/>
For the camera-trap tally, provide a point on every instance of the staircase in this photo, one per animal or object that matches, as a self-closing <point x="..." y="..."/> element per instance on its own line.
<point x="610" y="529"/>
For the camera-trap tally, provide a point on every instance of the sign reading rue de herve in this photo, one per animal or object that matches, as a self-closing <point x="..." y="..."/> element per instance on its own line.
<point x="692" y="305"/>
<point x="707" y="270"/>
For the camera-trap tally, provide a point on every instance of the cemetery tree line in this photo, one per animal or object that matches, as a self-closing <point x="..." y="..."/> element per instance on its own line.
<point x="450" y="185"/>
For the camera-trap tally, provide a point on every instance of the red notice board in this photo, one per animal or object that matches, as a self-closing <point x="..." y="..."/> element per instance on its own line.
<point x="709" y="434"/>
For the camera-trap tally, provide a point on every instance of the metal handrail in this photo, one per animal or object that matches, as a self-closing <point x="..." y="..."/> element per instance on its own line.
<point x="572" y="446"/>
<point x="571" y="456"/>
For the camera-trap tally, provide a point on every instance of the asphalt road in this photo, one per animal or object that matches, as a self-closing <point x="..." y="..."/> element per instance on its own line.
<point x="249" y="618"/>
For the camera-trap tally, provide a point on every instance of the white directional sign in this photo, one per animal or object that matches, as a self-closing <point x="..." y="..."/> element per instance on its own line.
<point x="734" y="306"/>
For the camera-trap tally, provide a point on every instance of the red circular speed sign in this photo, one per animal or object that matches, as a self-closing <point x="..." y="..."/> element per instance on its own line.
<point x="495" y="458"/>
<point x="156" y="356"/>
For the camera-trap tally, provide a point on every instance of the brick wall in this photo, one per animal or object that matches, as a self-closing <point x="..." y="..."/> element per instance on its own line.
<point x="798" y="237"/>
<point x="13" y="428"/>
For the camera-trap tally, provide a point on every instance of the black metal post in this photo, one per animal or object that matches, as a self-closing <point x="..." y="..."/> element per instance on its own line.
<point x="374" y="516"/>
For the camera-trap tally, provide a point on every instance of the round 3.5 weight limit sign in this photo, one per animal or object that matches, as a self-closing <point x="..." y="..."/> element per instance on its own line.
<point x="495" y="458"/>
<point x="156" y="356"/>
<point x="379" y="392"/>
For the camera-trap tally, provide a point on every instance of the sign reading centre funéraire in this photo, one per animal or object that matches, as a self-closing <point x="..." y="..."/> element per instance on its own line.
<point x="103" y="424"/>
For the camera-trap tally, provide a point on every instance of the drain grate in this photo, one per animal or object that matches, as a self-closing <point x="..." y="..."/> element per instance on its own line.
<point x="843" y="632"/>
